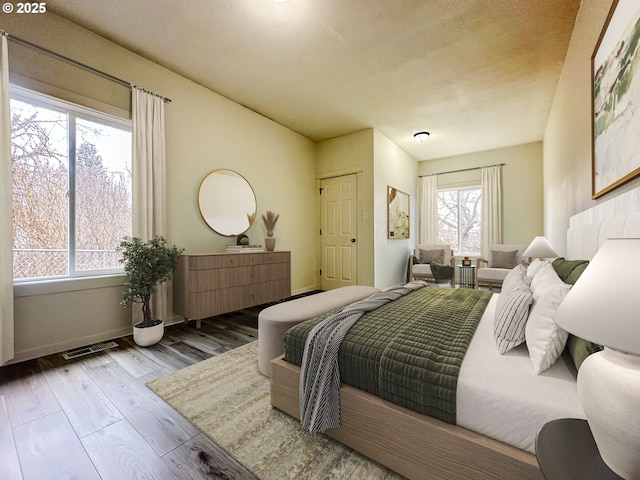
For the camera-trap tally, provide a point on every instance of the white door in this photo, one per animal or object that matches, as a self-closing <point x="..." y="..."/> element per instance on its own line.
<point x="338" y="229"/>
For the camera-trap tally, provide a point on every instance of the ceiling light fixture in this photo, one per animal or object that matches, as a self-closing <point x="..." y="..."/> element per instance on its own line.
<point x="421" y="136"/>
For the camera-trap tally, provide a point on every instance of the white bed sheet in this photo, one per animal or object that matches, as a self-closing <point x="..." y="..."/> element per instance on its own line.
<point x="501" y="397"/>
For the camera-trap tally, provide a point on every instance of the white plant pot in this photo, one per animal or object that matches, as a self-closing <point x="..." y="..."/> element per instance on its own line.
<point x="148" y="336"/>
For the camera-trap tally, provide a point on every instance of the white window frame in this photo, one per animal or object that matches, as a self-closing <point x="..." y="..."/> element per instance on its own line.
<point x="457" y="248"/>
<point x="73" y="112"/>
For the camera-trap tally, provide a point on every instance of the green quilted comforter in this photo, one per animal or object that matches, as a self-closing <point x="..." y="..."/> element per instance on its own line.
<point x="408" y="351"/>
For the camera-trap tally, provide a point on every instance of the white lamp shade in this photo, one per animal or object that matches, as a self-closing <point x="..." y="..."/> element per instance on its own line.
<point x="604" y="304"/>
<point x="540" y="248"/>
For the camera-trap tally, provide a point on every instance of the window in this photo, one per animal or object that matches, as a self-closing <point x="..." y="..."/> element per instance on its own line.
<point x="71" y="188"/>
<point x="459" y="219"/>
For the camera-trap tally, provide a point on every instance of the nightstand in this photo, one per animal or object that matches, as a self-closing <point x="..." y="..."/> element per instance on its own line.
<point x="467" y="276"/>
<point x="565" y="450"/>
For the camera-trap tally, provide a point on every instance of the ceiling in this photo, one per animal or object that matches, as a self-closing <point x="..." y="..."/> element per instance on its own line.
<point x="476" y="74"/>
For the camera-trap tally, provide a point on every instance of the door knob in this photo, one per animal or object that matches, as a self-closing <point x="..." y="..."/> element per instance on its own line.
<point x="353" y="240"/>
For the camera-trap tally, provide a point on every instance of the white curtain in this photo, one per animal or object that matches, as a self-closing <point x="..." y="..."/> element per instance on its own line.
<point x="6" y="226"/>
<point x="491" y="219"/>
<point x="428" y="189"/>
<point x="149" y="186"/>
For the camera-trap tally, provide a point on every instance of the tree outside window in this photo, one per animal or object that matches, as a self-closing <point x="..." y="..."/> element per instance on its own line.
<point x="459" y="219"/>
<point x="71" y="188"/>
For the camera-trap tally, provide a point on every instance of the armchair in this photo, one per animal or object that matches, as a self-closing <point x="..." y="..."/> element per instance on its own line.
<point x="426" y="254"/>
<point x="492" y="271"/>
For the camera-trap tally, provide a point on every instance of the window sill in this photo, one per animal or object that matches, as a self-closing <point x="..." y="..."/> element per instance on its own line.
<point x="47" y="287"/>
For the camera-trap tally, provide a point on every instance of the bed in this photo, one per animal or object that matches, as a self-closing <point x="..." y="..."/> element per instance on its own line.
<point x="496" y="426"/>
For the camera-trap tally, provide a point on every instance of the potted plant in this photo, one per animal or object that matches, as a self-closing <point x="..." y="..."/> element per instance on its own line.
<point x="147" y="264"/>
<point x="270" y="220"/>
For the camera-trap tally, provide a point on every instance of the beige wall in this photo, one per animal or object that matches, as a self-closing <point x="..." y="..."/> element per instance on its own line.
<point x="345" y="155"/>
<point x="567" y="140"/>
<point x="522" y="211"/>
<point x="378" y="162"/>
<point x="394" y="167"/>
<point x="204" y="131"/>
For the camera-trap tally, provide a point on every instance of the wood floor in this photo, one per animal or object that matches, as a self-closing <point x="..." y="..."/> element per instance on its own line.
<point x="94" y="418"/>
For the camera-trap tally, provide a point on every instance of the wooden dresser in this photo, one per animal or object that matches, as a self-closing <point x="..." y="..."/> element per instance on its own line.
<point x="210" y="284"/>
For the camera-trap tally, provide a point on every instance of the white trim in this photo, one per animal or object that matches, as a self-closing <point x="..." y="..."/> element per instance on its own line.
<point x="70" y="284"/>
<point x="72" y="111"/>
<point x="42" y="99"/>
<point x="76" y="342"/>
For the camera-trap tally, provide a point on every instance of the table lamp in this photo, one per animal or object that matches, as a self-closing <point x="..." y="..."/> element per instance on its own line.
<point x="604" y="307"/>
<point x="540" y="248"/>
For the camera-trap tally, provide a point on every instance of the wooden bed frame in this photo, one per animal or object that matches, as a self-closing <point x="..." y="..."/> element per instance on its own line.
<point x="407" y="442"/>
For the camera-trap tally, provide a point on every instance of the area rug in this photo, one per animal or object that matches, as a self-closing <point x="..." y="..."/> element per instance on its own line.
<point x="227" y="398"/>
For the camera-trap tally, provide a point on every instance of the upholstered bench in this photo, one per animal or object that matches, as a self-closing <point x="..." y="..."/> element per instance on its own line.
<point x="274" y="321"/>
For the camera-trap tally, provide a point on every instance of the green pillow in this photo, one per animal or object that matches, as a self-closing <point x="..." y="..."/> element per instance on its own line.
<point x="575" y="274"/>
<point x="580" y="349"/>
<point x="564" y="268"/>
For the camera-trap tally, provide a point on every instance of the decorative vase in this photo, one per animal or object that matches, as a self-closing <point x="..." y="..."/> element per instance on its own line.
<point x="609" y="390"/>
<point x="270" y="243"/>
<point x="147" y="336"/>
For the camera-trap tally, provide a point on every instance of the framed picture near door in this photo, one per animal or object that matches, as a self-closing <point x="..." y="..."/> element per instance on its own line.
<point x="398" y="217"/>
<point x="616" y="92"/>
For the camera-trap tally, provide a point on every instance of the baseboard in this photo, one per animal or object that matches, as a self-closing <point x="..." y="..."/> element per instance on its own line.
<point x="299" y="291"/>
<point x="68" y="345"/>
<point x="174" y="319"/>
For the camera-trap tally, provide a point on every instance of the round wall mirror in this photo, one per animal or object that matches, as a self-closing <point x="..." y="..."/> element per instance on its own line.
<point x="227" y="202"/>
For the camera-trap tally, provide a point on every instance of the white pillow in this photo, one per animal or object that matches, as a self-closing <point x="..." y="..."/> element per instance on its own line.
<point x="516" y="276"/>
<point x="545" y="339"/>
<point x="535" y="266"/>
<point x="512" y="310"/>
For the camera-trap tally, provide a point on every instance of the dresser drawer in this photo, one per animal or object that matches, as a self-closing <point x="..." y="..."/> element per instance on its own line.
<point x="225" y="260"/>
<point x="206" y="285"/>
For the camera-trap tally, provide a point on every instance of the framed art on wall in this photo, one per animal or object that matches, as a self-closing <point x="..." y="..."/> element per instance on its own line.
<point x="615" y="68"/>
<point x="398" y="217"/>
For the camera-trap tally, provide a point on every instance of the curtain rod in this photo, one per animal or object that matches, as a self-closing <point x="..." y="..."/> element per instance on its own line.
<point x="82" y="65"/>
<point x="463" y="170"/>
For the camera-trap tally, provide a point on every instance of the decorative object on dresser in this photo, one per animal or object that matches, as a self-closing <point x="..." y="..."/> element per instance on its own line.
<point x="243" y="245"/>
<point x="242" y="240"/>
<point x="540" y="248"/>
<point x="147" y="265"/>
<point x="602" y="307"/>
<point x="270" y="219"/>
<point x="227" y="202"/>
<point x="209" y="284"/>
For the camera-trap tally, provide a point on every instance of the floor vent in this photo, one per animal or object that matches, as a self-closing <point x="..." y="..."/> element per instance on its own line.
<point x="79" y="352"/>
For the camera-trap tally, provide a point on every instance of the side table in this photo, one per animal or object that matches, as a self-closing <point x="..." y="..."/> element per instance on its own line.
<point x="467" y="276"/>
<point x="565" y="450"/>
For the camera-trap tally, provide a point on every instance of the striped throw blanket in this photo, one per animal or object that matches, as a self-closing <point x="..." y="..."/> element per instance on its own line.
<point x="319" y="372"/>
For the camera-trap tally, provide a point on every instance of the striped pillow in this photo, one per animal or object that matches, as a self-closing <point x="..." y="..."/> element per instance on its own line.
<point x="512" y="310"/>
